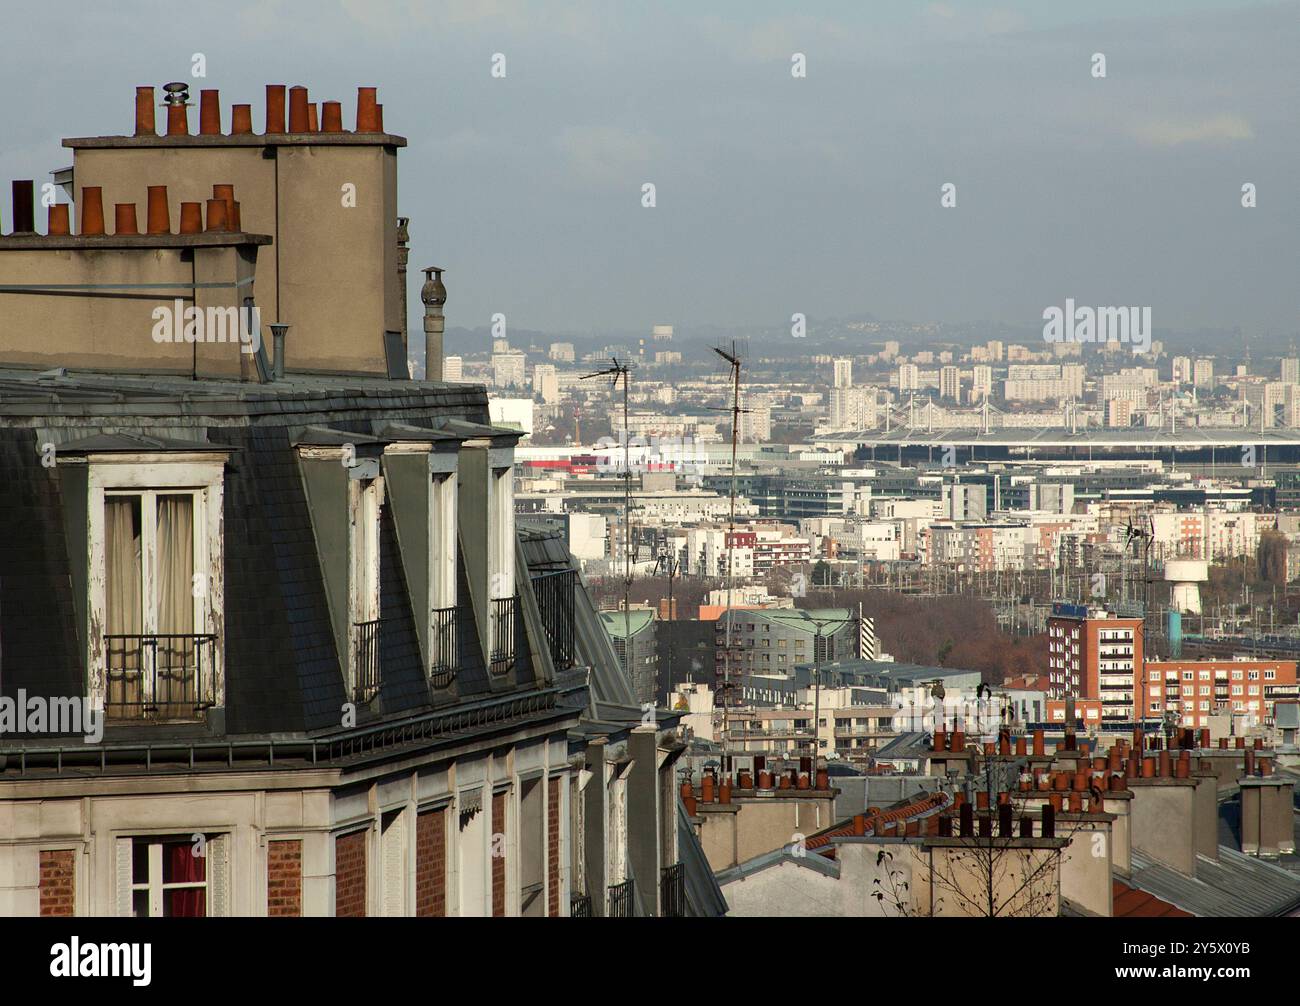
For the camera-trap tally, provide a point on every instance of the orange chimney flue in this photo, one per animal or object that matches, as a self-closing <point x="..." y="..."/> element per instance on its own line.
<point x="92" y="210"/>
<point x="274" y="109"/>
<point x="191" y="218"/>
<point x="178" y="119"/>
<point x="331" y="113"/>
<point x="241" y="120"/>
<point x="210" y="112"/>
<point x="216" y="215"/>
<point x="58" y="219"/>
<point x="144" y="114"/>
<point x="367" y="116"/>
<point x="124" y="219"/>
<point x="158" y="219"/>
<point x="298" y="109"/>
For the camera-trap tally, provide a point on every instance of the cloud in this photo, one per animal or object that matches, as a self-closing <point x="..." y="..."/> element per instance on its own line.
<point x="1215" y="129"/>
<point x="610" y="155"/>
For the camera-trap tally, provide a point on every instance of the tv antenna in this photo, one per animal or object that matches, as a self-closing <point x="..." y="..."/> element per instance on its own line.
<point x="733" y="361"/>
<point x="619" y="371"/>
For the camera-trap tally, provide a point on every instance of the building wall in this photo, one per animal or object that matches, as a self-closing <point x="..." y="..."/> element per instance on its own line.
<point x="299" y="842"/>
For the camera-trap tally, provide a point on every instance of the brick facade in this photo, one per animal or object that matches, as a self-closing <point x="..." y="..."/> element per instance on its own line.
<point x="431" y="863"/>
<point x="553" y="847"/>
<point x="350" y="875"/>
<point x="498" y="854"/>
<point x="284" y="877"/>
<point x="58" y="882"/>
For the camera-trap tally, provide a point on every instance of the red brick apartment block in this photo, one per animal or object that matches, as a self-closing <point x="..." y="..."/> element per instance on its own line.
<point x="431" y="863"/>
<point x="58" y="882"/>
<point x="553" y="847"/>
<point x="498" y="854"/>
<point x="284" y="877"/>
<point x="350" y="875"/>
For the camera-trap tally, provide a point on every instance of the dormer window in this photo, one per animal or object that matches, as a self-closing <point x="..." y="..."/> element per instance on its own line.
<point x="501" y="566"/>
<point x="365" y="505"/>
<point x="154" y="575"/>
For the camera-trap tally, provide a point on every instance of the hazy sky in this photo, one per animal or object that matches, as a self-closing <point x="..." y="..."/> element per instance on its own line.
<point x="775" y="195"/>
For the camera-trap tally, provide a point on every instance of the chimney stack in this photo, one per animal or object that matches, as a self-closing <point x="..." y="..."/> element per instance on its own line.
<point x="274" y="109"/>
<point x="58" y="219"/>
<point x="124" y="219"/>
<point x="434" y="296"/>
<point x="210" y="112"/>
<point x="92" y="210"/>
<point x="144" y="115"/>
<point x="24" y="207"/>
<point x="157" y="219"/>
<point x="367" y="111"/>
<point x="298" y="119"/>
<point x="241" y="119"/>
<point x="278" y="331"/>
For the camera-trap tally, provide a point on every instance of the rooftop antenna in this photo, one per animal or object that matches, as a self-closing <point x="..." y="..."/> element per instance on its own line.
<point x="619" y="371"/>
<point x="669" y="562"/>
<point x="1145" y="535"/>
<point x="733" y="361"/>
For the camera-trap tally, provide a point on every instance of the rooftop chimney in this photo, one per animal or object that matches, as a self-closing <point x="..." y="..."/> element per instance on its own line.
<point x="92" y="210"/>
<point x="274" y="108"/>
<point x="331" y="113"/>
<point x="177" y="101"/>
<point x="298" y="109"/>
<point x="144" y="115"/>
<point x="59" y="219"/>
<point x="210" y="112"/>
<point x="367" y="116"/>
<point x="241" y="119"/>
<point x="158" y="220"/>
<point x="24" y="207"/>
<point x="434" y="296"/>
<point x="124" y="219"/>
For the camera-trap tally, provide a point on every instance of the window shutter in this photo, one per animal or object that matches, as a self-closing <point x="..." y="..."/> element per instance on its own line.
<point x="124" y="847"/>
<point x="219" y="875"/>
<point x="394" y="870"/>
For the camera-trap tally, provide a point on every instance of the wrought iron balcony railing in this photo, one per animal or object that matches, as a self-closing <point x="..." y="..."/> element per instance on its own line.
<point x="580" y="906"/>
<point x="365" y="659"/>
<point x="164" y="676"/>
<point x="505" y="613"/>
<point x="555" y="598"/>
<point x="443" y="651"/>
<point x="620" y="900"/>
<point x="672" y="892"/>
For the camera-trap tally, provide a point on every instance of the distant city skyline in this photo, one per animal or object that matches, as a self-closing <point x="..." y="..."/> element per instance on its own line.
<point x="775" y="195"/>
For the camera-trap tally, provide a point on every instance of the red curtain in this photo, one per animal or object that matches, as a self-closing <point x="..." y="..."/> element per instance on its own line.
<point x="185" y="867"/>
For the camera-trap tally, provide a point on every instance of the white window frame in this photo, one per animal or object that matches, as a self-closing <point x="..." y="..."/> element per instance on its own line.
<point x="215" y="883"/>
<point x="160" y="474"/>
<point x="366" y="500"/>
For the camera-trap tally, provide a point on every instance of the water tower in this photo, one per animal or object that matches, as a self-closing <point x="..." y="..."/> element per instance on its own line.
<point x="1185" y="576"/>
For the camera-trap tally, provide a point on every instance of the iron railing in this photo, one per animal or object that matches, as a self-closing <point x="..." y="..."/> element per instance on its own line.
<point x="164" y="676"/>
<point x="620" y="900"/>
<point x="445" y="657"/>
<point x="672" y="892"/>
<point x="505" y="612"/>
<point x="365" y="658"/>
<point x="555" y="598"/>
<point x="580" y="906"/>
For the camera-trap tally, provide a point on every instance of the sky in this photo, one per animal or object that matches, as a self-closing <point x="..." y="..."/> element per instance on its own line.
<point x="774" y="194"/>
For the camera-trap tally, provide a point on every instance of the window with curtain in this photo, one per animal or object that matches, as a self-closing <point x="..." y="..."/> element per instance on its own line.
<point x="169" y="876"/>
<point x="155" y="651"/>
